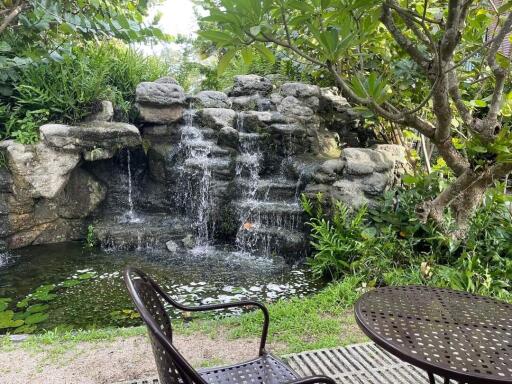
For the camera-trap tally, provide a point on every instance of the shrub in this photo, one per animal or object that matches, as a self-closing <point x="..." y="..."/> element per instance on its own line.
<point x="388" y="245"/>
<point x="68" y="90"/>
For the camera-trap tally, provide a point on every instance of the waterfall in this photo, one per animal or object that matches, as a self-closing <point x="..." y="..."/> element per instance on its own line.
<point x="130" y="216"/>
<point x="5" y="259"/>
<point x="248" y="166"/>
<point x="193" y="189"/>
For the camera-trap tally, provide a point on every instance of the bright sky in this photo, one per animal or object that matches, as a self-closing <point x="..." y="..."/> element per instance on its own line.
<point x="177" y="17"/>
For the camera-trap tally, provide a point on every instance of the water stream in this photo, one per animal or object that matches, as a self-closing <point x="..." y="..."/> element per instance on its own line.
<point x="192" y="192"/>
<point x="130" y="216"/>
<point x="248" y="166"/>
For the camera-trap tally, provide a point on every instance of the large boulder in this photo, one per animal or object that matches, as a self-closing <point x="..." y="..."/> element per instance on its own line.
<point x="161" y="101"/>
<point x="251" y="84"/>
<point x="162" y="94"/>
<point x="81" y="196"/>
<point x="104" y="111"/>
<point x="295" y="108"/>
<point x="39" y="170"/>
<point x="254" y="102"/>
<point x="212" y="99"/>
<point x="300" y="90"/>
<point x="365" y="161"/>
<point x="96" y="140"/>
<point x="359" y="176"/>
<point x="217" y="118"/>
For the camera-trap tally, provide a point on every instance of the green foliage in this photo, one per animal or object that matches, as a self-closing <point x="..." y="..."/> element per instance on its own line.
<point x="31" y="311"/>
<point x="388" y="245"/>
<point x="46" y="31"/>
<point x="68" y="90"/>
<point x="90" y="239"/>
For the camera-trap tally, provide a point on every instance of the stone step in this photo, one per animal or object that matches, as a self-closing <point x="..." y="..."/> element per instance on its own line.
<point x="142" y="233"/>
<point x="219" y="167"/>
<point x="269" y="189"/>
<point x="206" y="146"/>
<point x="274" y="240"/>
<point x="286" y="215"/>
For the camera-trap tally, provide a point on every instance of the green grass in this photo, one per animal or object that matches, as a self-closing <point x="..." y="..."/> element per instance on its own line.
<point x="322" y="320"/>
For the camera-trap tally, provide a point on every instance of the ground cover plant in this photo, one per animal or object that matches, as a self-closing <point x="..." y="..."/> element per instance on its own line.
<point x="58" y="58"/>
<point x="68" y="90"/>
<point x="388" y="245"/>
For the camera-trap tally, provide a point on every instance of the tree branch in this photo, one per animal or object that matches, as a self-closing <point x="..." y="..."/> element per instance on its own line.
<point x="453" y="89"/>
<point x="406" y="44"/>
<point x="11" y="17"/>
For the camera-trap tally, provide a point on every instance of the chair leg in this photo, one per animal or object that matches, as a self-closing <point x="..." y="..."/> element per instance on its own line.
<point x="431" y="378"/>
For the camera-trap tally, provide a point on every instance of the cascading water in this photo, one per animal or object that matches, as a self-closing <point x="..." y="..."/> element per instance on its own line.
<point x="130" y="216"/>
<point x="195" y="176"/>
<point x="248" y="167"/>
<point x="5" y="260"/>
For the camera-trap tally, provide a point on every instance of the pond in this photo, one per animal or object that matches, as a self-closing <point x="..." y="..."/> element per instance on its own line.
<point x="89" y="291"/>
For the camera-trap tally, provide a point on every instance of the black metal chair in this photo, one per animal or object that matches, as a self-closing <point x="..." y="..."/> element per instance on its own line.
<point x="149" y="299"/>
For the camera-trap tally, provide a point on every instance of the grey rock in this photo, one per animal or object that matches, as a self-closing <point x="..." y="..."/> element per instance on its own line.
<point x="251" y="84"/>
<point x="39" y="170"/>
<point x="5" y="180"/>
<point x="172" y="246"/>
<point x="160" y="114"/>
<point x="363" y="161"/>
<point x="276" y="98"/>
<point x="376" y="183"/>
<point x="333" y="101"/>
<point x="217" y="118"/>
<point x="288" y="129"/>
<point x="291" y="106"/>
<point x="81" y="196"/>
<point x="159" y="94"/>
<point x="333" y="166"/>
<point x="96" y="140"/>
<point x="254" y="102"/>
<point x="189" y="241"/>
<point x="212" y="99"/>
<point x="300" y="90"/>
<point x="18" y="338"/>
<point x="105" y="112"/>
<point x="228" y="137"/>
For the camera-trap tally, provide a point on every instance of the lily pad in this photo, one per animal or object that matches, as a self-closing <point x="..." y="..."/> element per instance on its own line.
<point x="25" y="329"/>
<point x="4" y="303"/>
<point x="20" y="315"/>
<point x="36" y="318"/>
<point x="37" y="308"/>
<point x="7" y="321"/>
<point x="70" y="283"/>
<point x="23" y="303"/>
<point x="87" y="275"/>
<point x="43" y="293"/>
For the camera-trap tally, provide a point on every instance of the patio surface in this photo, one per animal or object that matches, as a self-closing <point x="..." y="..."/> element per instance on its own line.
<point x="358" y="363"/>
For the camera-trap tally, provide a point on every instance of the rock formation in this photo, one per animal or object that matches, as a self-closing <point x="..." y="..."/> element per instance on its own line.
<point x="200" y="169"/>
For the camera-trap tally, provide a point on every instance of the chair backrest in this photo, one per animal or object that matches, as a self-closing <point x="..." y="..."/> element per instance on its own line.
<point x="149" y="300"/>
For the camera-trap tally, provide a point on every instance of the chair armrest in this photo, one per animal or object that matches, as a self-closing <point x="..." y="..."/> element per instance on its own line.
<point x="212" y="307"/>
<point x="313" y="380"/>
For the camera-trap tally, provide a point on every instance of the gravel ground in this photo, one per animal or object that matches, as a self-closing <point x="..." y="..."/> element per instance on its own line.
<point x="113" y="361"/>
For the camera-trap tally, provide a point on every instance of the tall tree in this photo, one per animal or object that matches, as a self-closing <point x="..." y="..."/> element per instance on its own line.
<point x="460" y="77"/>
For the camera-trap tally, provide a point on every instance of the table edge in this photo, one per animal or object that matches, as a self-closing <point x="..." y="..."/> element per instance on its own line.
<point x="419" y="363"/>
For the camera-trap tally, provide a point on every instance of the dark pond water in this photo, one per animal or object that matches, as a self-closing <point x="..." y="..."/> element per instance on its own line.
<point x="206" y="275"/>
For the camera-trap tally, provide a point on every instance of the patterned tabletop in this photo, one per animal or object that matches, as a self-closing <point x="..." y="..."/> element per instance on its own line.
<point x="453" y="334"/>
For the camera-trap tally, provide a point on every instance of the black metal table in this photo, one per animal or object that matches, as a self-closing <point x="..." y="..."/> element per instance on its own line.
<point x="456" y="335"/>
